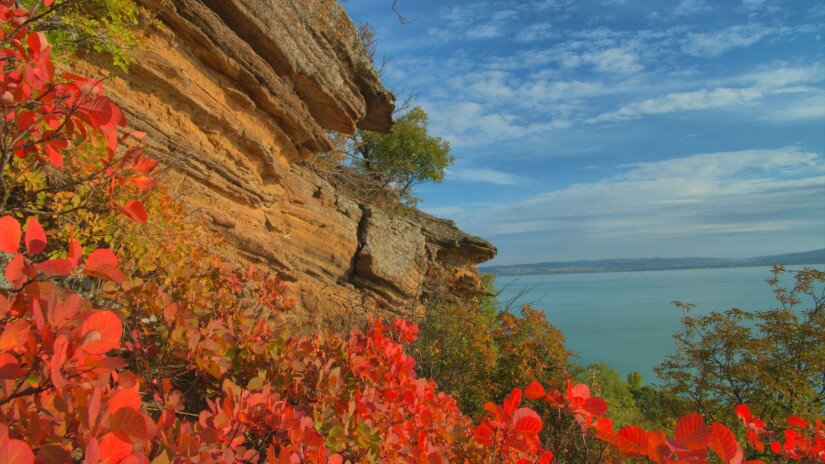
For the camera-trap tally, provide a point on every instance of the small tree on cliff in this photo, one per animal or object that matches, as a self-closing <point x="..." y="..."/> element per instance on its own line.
<point x="404" y="158"/>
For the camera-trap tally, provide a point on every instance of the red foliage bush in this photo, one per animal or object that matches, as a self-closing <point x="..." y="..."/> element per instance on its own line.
<point x="101" y="379"/>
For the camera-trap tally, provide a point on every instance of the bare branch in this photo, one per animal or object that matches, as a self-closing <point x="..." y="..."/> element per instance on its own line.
<point x="401" y="17"/>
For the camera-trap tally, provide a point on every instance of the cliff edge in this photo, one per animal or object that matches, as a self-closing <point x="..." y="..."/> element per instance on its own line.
<point x="234" y="94"/>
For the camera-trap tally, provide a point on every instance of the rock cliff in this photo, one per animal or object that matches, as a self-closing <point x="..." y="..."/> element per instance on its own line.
<point x="234" y="95"/>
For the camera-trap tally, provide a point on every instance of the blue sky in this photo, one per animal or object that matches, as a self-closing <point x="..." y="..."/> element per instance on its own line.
<point x="619" y="128"/>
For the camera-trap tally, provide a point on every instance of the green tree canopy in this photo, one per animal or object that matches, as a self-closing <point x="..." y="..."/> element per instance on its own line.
<point x="404" y="158"/>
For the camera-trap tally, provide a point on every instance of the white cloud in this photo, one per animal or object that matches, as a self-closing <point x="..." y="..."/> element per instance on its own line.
<point x="809" y="108"/>
<point x="714" y="44"/>
<point x="691" y="7"/>
<point x="536" y="32"/>
<point x="484" y="31"/>
<point x="610" y="60"/>
<point x="682" y="101"/>
<point x="705" y="194"/>
<point x="483" y="175"/>
<point x="761" y="84"/>
<point x="469" y="124"/>
<point x="464" y="14"/>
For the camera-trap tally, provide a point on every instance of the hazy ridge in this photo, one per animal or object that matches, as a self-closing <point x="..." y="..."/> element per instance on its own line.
<point x="653" y="264"/>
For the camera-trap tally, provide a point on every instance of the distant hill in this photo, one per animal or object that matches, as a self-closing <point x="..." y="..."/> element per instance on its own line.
<point x="653" y="264"/>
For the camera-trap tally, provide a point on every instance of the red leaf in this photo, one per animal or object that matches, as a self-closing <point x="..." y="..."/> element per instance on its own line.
<point x="102" y="263"/>
<point x="526" y="421"/>
<point x="101" y="332"/>
<point x="55" y="267"/>
<point x="145" y="166"/>
<point x="55" y="157"/>
<point x="135" y="210"/>
<point x="61" y="346"/>
<point x="534" y="391"/>
<point x="129" y="424"/>
<point x="35" y="237"/>
<point x="124" y="398"/>
<point x="142" y="183"/>
<point x="723" y="443"/>
<point x="743" y="413"/>
<point x="10" y="233"/>
<point x="595" y="406"/>
<point x="657" y="449"/>
<point x="580" y="390"/>
<point x="100" y="112"/>
<point x="15" y="335"/>
<point x="94" y="407"/>
<point x="632" y="441"/>
<point x="16" y="271"/>
<point x="483" y="435"/>
<point x="75" y="253"/>
<point x="692" y="432"/>
<point x="797" y="422"/>
<point x="604" y="430"/>
<point x="9" y="367"/>
<point x="16" y="452"/>
<point x="512" y="401"/>
<point x="113" y="448"/>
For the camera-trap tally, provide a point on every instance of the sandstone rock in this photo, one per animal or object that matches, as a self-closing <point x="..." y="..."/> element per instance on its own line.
<point x="234" y="94"/>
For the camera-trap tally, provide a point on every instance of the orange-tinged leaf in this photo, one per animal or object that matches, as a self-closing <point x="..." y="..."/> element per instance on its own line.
<point x="135" y="210"/>
<point x="101" y="332"/>
<point x="35" y="237"/>
<point x="103" y="264"/>
<point x="16" y="452"/>
<point x="10" y="234"/>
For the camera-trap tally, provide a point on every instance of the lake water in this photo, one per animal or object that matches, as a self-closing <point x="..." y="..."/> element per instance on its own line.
<point x="626" y="319"/>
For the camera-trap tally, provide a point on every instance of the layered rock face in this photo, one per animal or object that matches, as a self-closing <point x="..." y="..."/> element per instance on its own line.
<point x="234" y="95"/>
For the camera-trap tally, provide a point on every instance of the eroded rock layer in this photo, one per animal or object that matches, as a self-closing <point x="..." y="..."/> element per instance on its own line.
<point x="234" y="94"/>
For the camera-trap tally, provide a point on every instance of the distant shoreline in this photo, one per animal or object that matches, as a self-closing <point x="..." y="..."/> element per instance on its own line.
<point x="816" y="257"/>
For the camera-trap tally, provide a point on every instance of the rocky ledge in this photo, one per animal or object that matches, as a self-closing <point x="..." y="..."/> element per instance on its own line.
<point x="234" y="95"/>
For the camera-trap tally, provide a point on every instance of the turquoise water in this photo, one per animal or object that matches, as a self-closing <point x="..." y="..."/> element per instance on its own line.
<point x="626" y="319"/>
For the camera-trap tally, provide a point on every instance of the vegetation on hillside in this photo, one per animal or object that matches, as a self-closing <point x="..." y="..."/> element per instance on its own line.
<point x="108" y="27"/>
<point x="126" y="338"/>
